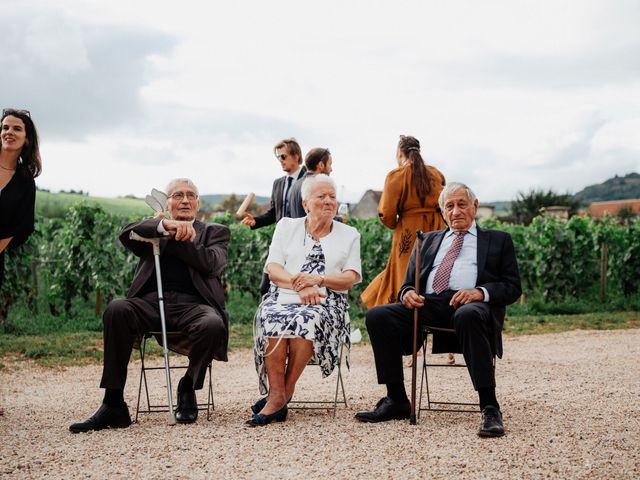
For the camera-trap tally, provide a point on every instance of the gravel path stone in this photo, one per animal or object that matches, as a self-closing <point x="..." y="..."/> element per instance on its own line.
<point x="571" y="405"/>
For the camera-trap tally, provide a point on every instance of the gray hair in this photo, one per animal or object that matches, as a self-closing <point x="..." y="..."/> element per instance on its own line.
<point x="454" y="187"/>
<point x="176" y="181"/>
<point x="313" y="180"/>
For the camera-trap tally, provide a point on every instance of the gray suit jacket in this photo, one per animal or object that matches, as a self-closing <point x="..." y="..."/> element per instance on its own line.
<point x="275" y="212"/>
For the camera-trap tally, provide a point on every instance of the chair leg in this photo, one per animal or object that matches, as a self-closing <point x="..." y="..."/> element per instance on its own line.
<point x="143" y="378"/>
<point x="339" y="383"/>
<point x="424" y="373"/>
<point x="210" y="405"/>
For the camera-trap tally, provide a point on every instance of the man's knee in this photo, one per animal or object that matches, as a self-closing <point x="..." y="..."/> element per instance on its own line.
<point x="117" y="311"/>
<point x="209" y="324"/>
<point x="472" y="316"/>
<point x="375" y="318"/>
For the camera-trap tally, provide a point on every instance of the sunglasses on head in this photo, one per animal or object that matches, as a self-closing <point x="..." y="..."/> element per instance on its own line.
<point x="11" y="111"/>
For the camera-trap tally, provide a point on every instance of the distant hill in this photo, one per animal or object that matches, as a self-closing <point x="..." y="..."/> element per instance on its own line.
<point x="501" y="207"/>
<point x="216" y="198"/>
<point x="56" y="204"/>
<point x="616" y="188"/>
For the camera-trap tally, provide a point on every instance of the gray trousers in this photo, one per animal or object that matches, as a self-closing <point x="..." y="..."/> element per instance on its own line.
<point x="126" y="319"/>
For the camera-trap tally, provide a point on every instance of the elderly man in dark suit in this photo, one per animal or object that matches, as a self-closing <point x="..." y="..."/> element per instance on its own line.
<point x="192" y="258"/>
<point x="468" y="276"/>
<point x="289" y="155"/>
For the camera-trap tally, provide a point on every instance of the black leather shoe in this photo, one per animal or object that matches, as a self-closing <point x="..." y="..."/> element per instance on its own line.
<point x="260" y="420"/>
<point x="104" y="417"/>
<point x="187" y="407"/>
<point x="491" y="422"/>
<point x="386" y="409"/>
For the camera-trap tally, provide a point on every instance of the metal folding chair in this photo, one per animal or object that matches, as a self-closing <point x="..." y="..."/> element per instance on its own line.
<point x="209" y="405"/>
<point x="325" y="404"/>
<point x="436" y="405"/>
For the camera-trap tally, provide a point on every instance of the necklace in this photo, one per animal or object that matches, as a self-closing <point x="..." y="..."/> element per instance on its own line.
<point x="7" y="169"/>
<point x="307" y="233"/>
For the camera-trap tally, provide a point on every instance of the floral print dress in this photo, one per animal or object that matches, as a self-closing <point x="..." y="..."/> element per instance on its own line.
<point x="325" y="325"/>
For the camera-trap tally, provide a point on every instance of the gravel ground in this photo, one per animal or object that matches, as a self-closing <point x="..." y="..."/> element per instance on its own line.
<point x="570" y="403"/>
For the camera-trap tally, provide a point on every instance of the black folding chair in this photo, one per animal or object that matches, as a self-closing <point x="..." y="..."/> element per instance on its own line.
<point x="325" y="404"/>
<point x="163" y="407"/>
<point x="436" y="405"/>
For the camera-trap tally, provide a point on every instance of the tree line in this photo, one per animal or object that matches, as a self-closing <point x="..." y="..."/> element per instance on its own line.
<point x="78" y="257"/>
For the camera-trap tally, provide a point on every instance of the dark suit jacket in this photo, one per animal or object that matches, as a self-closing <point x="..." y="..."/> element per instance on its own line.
<point x="497" y="272"/>
<point x="275" y="213"/>
<point x="206" y="258"/>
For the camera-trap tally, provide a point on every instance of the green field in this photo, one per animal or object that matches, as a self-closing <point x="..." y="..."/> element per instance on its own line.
<point x="56" y="204"/>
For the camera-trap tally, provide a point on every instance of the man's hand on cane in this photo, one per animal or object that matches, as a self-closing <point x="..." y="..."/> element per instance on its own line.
<point x="179" y="230"/>
<point x="412" y="300"/>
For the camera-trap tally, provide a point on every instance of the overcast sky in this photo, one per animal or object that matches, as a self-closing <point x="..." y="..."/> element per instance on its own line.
<point x="503" y="95"/>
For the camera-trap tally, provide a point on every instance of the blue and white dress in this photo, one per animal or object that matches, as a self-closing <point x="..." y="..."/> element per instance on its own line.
<point x="325" y="325"/>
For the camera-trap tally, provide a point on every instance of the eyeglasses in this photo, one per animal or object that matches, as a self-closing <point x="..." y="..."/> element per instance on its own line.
<point x="11" y="111"/>
<point x="282" y="156"/>
<point x="180" y="195"/>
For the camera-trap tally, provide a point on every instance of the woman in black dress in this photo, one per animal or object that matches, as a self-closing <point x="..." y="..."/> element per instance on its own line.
<point x="19" y="165"/>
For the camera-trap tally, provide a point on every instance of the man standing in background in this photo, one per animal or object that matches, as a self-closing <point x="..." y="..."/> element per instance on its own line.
<point x="317" y="160"/>
<point x="289" y="155"/>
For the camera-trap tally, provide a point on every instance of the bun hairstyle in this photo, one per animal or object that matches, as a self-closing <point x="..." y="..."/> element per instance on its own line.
<point x="410" y="148"/>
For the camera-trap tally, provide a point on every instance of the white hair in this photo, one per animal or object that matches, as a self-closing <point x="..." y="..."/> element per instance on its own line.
<point x="177" y="181"/>
<point x="313" y="180"/>
<point x="454" y="187"/>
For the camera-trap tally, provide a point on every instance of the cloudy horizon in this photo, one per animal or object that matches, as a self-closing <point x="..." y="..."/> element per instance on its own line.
<point x="505" y="96"/>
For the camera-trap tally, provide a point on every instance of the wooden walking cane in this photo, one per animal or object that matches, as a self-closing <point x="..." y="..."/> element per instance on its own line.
<point x="414" y="360"/>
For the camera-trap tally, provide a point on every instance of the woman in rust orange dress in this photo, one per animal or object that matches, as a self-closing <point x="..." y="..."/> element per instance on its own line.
<point x="409" y="202"/>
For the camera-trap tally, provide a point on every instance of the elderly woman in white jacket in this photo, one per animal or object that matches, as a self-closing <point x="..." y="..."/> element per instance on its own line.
<point x="313" y="262"/>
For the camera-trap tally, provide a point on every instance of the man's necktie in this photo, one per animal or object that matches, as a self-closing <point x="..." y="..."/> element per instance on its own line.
<point x="285" y="198"/>
<point x="441" y="278"/>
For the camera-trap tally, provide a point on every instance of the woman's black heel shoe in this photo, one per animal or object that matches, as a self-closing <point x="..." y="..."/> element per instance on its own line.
<point x="260" y="420"/>
<point x="259" y="405"/>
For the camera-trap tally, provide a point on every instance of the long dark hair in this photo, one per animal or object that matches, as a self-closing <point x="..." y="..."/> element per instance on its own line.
<point x="30" y="164"/>
<point x="410" y="147"/>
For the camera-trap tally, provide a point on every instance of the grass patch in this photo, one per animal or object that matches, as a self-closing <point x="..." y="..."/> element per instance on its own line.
<point x="538" y="324"/>
<point x="85" y="347"/>
<point x="52" y="350"/>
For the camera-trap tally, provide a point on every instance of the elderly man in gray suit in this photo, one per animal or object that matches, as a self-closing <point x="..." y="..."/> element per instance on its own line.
<point x="192" y="258"/>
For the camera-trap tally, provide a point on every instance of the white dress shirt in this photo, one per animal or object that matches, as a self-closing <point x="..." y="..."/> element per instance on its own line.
<point x="464" y="273"/>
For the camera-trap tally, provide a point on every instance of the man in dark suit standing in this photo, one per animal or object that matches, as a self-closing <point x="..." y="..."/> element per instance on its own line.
<point x="192" y="258"/>
<point x="289" y="155"/>
<point x="468" y="276"/>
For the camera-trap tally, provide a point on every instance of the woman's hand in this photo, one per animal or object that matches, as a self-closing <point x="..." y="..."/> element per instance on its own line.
<point x="303" y="280"/>
<point x="311" y="296"/>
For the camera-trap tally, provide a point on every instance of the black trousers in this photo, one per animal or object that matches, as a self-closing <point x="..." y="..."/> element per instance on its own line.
<point x="390" y="329"/>
<point x="125" y="319"/>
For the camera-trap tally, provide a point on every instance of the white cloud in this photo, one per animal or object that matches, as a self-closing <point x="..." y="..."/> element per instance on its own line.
<point x="502" y="95"/>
